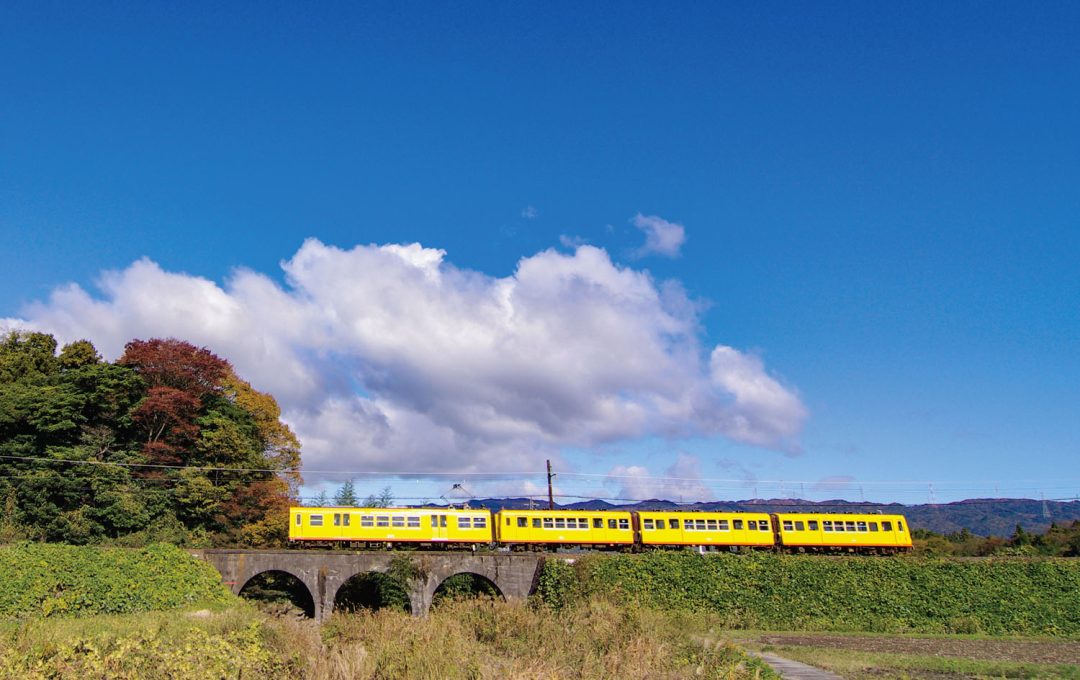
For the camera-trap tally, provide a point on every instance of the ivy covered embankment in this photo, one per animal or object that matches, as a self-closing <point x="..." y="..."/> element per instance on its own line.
<point x="794" y="592"/>
<point x="38" y="579"/>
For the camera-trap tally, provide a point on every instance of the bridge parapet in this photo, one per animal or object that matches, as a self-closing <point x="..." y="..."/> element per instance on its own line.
<point x="323" y="573"/>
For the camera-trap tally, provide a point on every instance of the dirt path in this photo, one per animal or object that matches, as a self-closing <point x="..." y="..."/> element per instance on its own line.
<point x="1050" y="651"/>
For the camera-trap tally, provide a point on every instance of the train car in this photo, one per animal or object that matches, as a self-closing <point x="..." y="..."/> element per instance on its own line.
<point x="825" y="532"/>
<point x="719" y="529"/>
<point x="435" y="526"/>
<point x="520" y="529"/>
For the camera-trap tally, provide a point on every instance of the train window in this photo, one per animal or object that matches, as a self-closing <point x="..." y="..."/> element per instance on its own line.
<point x="397" y="521"/>
<point x="479" y="523"/>
<point x="799" y="526"/>
<point x="536" y="522"/>
<point x="647" y="524"/>
<point x="763" y="525"/>
<point x="751" y="525"/>
<point x="316" y="520"/>
<point x="337" y="519"/>
<point x="464" y="522"/>
<point x="812" y="524"/>
<point x="382" y="520"/>
<point x="788" y="526"/>
<point x="298" y="519"/>
<point x="828" y="525"/>
<point x="873" y="526"/>
<point x="899" y="526"/>
<point x="414" y="522"/>
<point x="738" y="523"/>
<point x="659" y="524"/>
<point x="624" y="524"/>
<point x="434" y="521"/>
<point x="611" y="524"/>
<point x="886" y="526"/>
<point x="850" y="526"/>
<point x="442" y="521"/>
<point x="597" y="523"/>
<point x="710" y="524"/>
<point x="522" y="522"/>
<point x="700" y="524"/>
<point x="549" y="523"/>
<point x="673" y="522"/>
<point x="345" y="519"/>
<point x="861" y="526"/>
<point x="560" y="523"/>
<point x="688" y="525"/>
<point x="723" y="525"/>
<point x="367" y="521"/>
<point x="839" y="526"/>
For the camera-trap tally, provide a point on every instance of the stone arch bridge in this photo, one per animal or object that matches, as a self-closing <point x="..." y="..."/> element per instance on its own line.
<point x="324" y="572"/>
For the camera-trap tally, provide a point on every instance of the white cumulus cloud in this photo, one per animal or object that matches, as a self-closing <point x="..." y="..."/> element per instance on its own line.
<point x="680" y="482"/>
<point x="661" y="237"/>
<point x="389" y="358"/>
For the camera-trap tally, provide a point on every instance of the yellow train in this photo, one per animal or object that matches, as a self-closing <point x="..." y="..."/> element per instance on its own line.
<point x="599" y="529"/>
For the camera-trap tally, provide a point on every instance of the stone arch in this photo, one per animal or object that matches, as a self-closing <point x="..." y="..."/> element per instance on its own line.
<point x="462" y="581"/>
<point x="371" y="589"/>
<point x="288" y="587"/>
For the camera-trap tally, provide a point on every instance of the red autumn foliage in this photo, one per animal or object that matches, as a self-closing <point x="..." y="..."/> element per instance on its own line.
<point x="176" y="364"/>
<point x="254" y="501"/>
<point x="167" y="416"/>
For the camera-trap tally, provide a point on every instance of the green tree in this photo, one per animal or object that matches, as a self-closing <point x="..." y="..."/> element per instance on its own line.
<point x="384" y="499"/>
<point x="346" y="495"/>
<point x="78" y="354"/>
<point x="27" y="354"/>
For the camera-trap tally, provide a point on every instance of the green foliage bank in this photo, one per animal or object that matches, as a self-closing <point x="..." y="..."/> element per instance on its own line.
<point x="63" y="580"/>
<point x="787" y="592"/>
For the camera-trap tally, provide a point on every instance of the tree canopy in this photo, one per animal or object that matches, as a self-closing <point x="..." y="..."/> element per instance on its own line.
<point x="166" y="443"/>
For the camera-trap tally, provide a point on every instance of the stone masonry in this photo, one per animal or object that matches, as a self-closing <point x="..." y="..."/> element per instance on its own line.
<point x="323" y="572"/>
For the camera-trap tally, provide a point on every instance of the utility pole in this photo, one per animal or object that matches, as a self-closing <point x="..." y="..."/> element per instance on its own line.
<point x="551" y="498"/>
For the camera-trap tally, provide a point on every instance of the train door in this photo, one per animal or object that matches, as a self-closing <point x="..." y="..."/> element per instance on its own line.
<point x="438" y="527"/>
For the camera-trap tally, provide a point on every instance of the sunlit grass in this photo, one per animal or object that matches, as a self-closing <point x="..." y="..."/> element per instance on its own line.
<point x="480" y="638"/>
<point x="854" y="664"/>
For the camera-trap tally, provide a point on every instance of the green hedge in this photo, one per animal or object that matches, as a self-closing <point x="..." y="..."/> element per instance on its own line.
<point x="38" y="579"/>
<point x="789" y="592"/>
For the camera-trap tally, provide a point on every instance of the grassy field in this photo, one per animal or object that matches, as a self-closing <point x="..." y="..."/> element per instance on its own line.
<point x="479" y="638"/>
<point x="864" y="656"/>
<point x="88" y="613"/>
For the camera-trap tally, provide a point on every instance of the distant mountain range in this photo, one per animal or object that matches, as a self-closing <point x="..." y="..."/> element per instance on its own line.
<point x="981" y="516"/>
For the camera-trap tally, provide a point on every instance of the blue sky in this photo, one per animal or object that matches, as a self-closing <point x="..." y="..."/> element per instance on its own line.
<point x="879" y="205"/>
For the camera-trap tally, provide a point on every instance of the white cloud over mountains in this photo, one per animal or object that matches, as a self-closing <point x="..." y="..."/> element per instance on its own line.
<point x="388" y="358"/>
<point x="681" y="481"/>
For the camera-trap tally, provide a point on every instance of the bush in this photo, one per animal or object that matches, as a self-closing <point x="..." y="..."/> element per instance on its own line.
<point x="39" y="579"/>
<point x="792" y="592"/>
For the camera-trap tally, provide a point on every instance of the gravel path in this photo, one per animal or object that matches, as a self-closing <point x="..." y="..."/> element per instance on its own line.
<point x="793" y="670"/>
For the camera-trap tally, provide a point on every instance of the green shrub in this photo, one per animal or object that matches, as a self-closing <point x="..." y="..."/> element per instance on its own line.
<point x="39" y="579"/>
<point x="791" y="592"/>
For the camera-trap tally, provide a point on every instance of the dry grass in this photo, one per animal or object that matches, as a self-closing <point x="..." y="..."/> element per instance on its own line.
<point x="492" y="639"/>
<point x="472" y="639"/>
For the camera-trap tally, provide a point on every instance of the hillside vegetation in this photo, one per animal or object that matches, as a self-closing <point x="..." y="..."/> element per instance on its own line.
<point x="165" y="444"/>
<point x="783" y="592"/>
<point x="62" y="580"/>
